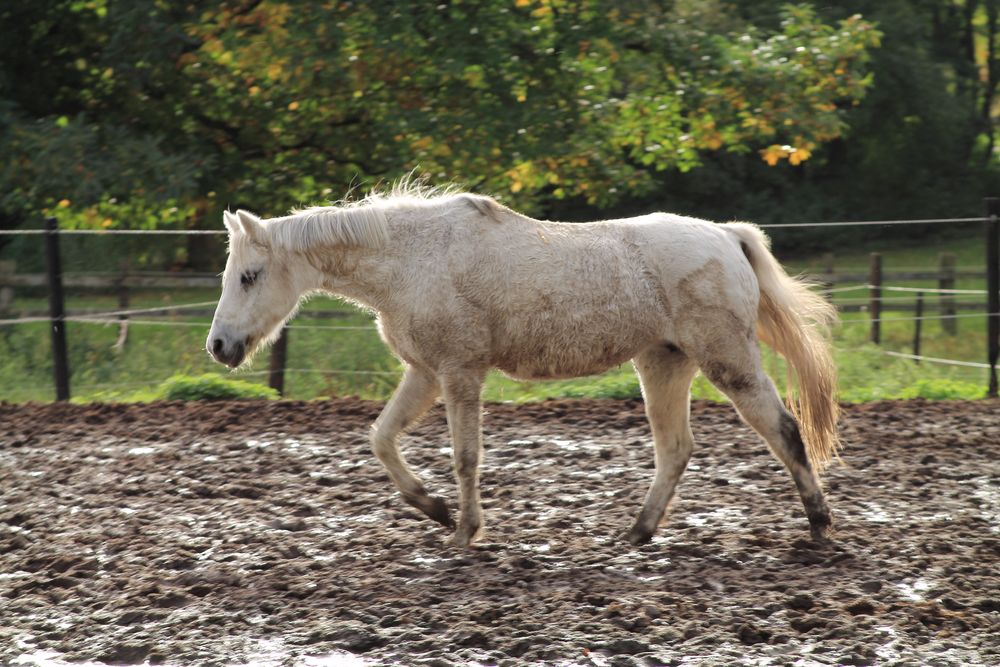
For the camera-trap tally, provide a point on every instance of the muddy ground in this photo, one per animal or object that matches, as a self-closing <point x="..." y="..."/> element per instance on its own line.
<point x="267" y="534"/>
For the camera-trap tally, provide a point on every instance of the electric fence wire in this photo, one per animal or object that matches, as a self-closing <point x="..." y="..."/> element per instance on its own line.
<point x="190" y="232"/>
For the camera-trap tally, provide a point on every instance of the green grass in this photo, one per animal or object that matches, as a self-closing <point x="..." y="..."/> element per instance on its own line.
<point x="211" y="387"/>
<point x="901" y="255"/>
<point x="351" y="360"/>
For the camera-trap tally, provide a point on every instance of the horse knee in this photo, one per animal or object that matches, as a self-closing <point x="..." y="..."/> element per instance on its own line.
<point x="467" y="463"/>
<point x="383" y="443"/>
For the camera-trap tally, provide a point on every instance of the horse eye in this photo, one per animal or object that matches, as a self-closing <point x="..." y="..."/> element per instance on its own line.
<point x="249" y="278"/>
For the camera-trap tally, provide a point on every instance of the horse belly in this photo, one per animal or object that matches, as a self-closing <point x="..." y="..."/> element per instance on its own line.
<point x="542" y="357"/>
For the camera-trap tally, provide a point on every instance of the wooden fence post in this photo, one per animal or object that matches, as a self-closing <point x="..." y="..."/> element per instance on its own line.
<point x="946" y="281"/>
<point x="57" y="310"/>
<point x="279" y="352"/>
<point x="919" y="311"/>
<point x="8" y="267"/>
<point x="875" y="297"/>
<point x="828" y="271"/>
<point x="993" y="289"/>
<point x="123" y="303"/>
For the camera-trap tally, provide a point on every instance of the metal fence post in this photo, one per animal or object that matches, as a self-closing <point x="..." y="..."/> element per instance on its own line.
<point x="57" y="311"/>
<point x="917" y="322"/>
<point x="875" y="295"/>
<point x="993" y="289"/>
<point x="946" y="301"/>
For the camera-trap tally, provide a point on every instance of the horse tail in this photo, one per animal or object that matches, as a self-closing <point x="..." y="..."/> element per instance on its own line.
<point x="795" y="322"/>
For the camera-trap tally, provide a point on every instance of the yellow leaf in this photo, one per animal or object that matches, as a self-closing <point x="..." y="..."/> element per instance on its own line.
<point x="64" y="203"/>
<point x="799" y="155"/>
<point x="292" y="106"/>
<point x="254" y="90"/>
<point x="107" y="222"/>
<point x="516" y="186"/>
<point x="773" y="153"/>
<point x="522" y="3"/>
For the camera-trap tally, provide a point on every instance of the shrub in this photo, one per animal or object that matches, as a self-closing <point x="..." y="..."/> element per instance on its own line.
<point x="210" y="387"/>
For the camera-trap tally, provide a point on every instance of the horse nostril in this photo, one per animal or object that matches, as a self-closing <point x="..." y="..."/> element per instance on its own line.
<point x="217" y="346"/>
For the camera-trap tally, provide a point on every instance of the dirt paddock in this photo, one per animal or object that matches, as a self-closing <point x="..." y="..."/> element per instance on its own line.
<point x="265" y="533"/>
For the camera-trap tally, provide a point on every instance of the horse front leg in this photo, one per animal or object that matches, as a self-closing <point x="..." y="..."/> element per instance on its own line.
<point x="462" y="400"/>
<point x="412" y="398"/>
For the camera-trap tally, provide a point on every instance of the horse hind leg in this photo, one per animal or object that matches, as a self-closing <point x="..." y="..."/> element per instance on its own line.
<point x="741" y="377"/>
<point x="412" y="398"/>
<point x="665" y="374"/>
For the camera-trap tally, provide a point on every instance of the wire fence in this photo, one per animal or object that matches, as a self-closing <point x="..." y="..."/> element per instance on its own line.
<point x="115" y="317"/>
<point x="222" y="232"/>
<point x="839" y="295"/>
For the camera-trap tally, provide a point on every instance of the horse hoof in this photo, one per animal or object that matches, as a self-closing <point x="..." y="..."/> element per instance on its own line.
<point x="459" y="543"/>
<point x="440" y="513"/>
<point x="820" y="532"/>
<point x="638" y="536"/>
<point x="463" y="539"/>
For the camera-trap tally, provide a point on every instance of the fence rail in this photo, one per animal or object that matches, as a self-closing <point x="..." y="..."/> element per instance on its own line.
<point x="873" y="281"/>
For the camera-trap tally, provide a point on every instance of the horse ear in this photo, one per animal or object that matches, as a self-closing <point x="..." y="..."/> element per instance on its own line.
<point x="230" y="221"/>
<point x="251" y="225"/>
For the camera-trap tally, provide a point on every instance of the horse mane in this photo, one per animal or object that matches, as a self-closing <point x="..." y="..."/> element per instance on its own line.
<point x="363" y="223"/>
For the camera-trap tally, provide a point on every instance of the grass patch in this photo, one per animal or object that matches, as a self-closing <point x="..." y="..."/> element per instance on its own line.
<point x="210" y="387"/>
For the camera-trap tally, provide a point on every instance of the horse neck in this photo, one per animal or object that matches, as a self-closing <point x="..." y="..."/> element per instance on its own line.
<point x="359" y="273"/>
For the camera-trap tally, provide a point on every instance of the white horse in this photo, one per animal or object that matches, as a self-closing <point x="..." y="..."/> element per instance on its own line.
<point x="461" y="284"/>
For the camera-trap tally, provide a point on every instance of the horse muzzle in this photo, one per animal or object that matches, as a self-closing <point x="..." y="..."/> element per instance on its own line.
<point x="231" y="355"/>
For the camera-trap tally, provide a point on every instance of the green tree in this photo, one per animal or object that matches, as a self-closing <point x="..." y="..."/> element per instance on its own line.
<point x="918" y="144"/>
<point x="157" y="113"/>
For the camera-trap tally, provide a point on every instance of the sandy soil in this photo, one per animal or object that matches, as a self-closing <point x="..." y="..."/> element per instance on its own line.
<point x="267" y="534"/>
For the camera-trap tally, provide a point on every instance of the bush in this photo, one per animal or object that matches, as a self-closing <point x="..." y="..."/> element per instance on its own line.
<point x="209" y="387"/>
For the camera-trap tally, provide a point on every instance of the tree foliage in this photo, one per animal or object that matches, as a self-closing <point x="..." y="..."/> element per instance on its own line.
<point x="917" y="146"/>
<point x="156" y="113"/>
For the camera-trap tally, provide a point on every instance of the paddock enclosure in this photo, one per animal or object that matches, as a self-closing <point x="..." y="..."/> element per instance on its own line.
<point x="267" y="533"/>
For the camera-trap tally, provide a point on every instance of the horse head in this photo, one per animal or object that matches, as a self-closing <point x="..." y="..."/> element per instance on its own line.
<point x="258" y="291"/>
